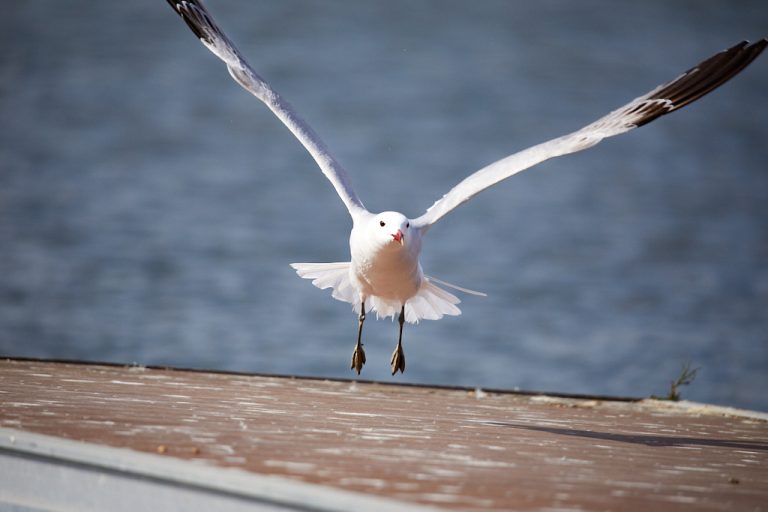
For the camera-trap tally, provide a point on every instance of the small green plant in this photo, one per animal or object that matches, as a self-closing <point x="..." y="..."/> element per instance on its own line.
<point x="686" y="377"/>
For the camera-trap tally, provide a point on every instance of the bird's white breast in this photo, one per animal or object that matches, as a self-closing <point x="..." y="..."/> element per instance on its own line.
<point x="387" y="270"/>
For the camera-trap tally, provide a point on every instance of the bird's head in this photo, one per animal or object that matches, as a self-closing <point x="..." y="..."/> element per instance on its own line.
<point x="390" y="228"/>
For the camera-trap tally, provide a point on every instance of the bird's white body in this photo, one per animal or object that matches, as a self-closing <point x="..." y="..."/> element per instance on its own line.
<point x="384" y="273"/>
<point x="382" y="267"/>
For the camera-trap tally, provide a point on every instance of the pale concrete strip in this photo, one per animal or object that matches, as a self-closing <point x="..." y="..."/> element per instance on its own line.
<point x="45" y="473"/>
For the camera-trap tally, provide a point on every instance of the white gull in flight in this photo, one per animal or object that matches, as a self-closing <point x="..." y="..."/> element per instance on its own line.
<point x="384" y="274"/>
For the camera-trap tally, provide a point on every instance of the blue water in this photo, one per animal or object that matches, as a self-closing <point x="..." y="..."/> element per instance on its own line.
<point x="149" y="207"/>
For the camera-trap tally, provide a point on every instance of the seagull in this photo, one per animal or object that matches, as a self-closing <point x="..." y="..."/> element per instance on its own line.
<point x="384" y="274"/>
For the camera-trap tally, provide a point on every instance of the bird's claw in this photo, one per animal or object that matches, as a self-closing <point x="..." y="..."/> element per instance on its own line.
<point x="398" y="360"/>
<point x="358" y="358"/>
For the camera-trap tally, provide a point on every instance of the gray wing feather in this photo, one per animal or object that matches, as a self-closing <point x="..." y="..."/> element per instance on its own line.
<point x="200" y="21"/>
<point x="686" y="88"/>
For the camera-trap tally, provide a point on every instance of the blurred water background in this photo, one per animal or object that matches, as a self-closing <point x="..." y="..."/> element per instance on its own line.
<point x="149" y="207"/>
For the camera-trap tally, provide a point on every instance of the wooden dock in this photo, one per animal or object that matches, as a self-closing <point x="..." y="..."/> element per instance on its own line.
<point x="104" y="437"/>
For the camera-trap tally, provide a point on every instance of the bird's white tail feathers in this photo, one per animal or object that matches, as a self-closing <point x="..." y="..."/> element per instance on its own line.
<point x="430" y="303"/>
<point x="330" y="275"/>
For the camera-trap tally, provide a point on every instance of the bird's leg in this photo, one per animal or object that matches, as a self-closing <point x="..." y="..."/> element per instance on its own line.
<point x="358" y="355"/>
<point x="398" y="356"/>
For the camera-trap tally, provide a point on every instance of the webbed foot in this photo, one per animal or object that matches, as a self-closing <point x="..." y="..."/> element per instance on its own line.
<point x="358" y="358"/>
<point x="398" y="360"/>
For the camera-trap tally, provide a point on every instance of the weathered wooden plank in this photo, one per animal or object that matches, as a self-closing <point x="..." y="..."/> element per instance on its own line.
<point x="456" y="449"/>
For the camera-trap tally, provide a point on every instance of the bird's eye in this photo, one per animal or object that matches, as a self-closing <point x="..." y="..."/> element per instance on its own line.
<point x="382" y="223"/>
<point x="407" y="224"/>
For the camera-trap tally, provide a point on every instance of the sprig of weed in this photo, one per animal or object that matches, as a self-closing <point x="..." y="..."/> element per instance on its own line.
<point x="686" y="377"/>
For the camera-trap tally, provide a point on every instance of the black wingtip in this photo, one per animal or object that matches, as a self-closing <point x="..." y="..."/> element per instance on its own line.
<point x="185" y="8"/>
<point x="703" y="78"/>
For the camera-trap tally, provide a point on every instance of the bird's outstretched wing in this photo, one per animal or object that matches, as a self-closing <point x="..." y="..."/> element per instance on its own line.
<point x="686" y="88"/>
<point x="197" y="17"/>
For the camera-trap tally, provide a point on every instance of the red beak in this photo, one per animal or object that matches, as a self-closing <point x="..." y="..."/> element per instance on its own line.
<point x="399" y="237"/>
